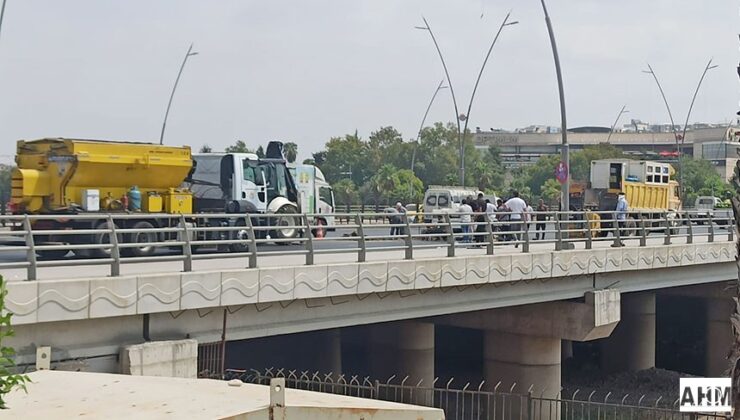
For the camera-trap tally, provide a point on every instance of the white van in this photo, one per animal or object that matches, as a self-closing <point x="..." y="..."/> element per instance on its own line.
<point x="440" y="199"/>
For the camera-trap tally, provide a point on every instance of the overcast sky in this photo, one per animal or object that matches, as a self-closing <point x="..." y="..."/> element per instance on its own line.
<point x="305" y="71"/>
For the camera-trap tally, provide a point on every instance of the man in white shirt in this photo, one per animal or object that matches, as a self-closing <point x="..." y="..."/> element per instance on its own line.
<point x="518" y="209"/>
<point x="465" y="218"/>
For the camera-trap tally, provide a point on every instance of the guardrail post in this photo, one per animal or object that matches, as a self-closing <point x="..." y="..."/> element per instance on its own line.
<point x="530" y="406"/>
<point x="187" y="249"/>
<point x="711" y="227"/>
<point x="589" y="232"/>
<point x="525" y="229"/>
<point x="491" y="236"/>
<point x="408" y="239"/>
<point x="617" y="231"/>
<point x="558" y="233"/>
<point x="115" y="251"/>
<point x="730" y="228"/>
<point x="643" y="231"/>
<point x="252" y="241"/>
<point x="362" y="252"/>
<point x="689" y="230"/>
<point x="667" y="240"/>
<point x="309" y="241"/>
<point x="450" y="235"/>
<point x="31" y="251"/>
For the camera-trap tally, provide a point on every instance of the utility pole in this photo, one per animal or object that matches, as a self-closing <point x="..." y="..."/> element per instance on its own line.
<point x="174" y="88"/>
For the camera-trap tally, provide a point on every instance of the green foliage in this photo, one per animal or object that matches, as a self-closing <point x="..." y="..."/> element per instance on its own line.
<point x="260" y="152"/>
<point x="9" y="381"/>
<point x="345" y="191"/>
<point x="700" y="178"/>
<point x="5" y="176"/>
<point x="551" y="191"/>
<point x="238" y="147"/>
<point x="409" y="188"/>
<point x="205" y="149"/>
<point x="580" y="161"/>
<point x="291" y="151"/>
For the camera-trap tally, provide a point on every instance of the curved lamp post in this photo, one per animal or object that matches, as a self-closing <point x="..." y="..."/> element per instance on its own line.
<point x="622" y="111"/>
<point x="693" y="99"/>
<point x="423" y="120"/>
<point x="172" y="95"/>
<point x="2" y="14"/>
<point x="458" y="116"/>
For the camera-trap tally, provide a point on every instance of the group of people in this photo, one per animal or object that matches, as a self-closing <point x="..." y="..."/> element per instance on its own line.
<point x="511" y="216"/>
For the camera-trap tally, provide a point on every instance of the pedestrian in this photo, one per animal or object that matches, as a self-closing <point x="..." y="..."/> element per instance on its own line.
<point x="621" y="213"/>
<point x="398" y="220"/>
<point x="541" y="218"/>
<point x="480" y="219"/>
<point x="529" y="216"/>
<point x="466" y="211"/>
<point x="518" y="208"/>
<point x="502" y="216"/>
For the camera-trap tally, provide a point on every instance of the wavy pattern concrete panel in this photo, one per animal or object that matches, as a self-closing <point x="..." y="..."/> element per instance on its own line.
<point x="453" y="272"/>
<point x="478" y="270"/>
<point x="342" y="279"/>
<point x="200" y="290"/>
<point x="23" y="301"/>
<point x="401" y="275"/>
<point x="276" y="284"/>
<point x="428" y="274"/>
<point x="239" y="287"/>
<point x="311" y="281"/>
<point x="372" y="277"/>
<point x="63" y="300"/>
<point x="59" y="300"/>
<point x="158" y="293"/>
<point x="113" y="296"/>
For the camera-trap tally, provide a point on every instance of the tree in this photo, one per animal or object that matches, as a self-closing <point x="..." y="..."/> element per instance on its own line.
<point x="238" y="147"/>
<point x="6" y="172"/>
<point x="700" y="178"/>
<point x="291" y="151"/>
<point x="385" y="181"/>
<point x="205" y="149"/>
<point x="346" y="192"/>
<point x="260" y="152"/>
<point x="580" y="161"/>
<point x="9" y="381"/>
<point x="551" y="192"/>
<point x="309" y="161"/>
<point x="408" y="189"/>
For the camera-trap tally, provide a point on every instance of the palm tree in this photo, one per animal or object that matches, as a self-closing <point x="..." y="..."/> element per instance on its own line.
<point x="386" y="180"/>
<point x="291" y="151"/>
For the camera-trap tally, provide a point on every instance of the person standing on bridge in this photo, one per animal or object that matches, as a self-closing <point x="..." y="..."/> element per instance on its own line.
<point x="621" y="213"/>
<point x="466" y="211"/>
<point x="541" y="218"/>
<point x="398" y="218"/>
<point x="518" y="208"/>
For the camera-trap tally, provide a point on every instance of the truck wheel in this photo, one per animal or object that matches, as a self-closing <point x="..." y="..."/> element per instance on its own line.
<point x="631" y="226"/>
<point x="143" y="237"/>
<point x="240" y="234"/>
<point x="103" y="239"/>
<point x="287" y="220"/>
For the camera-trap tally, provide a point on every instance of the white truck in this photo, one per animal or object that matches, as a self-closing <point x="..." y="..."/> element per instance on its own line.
<point x="707" y="206"/>
<point x="315" y="195"/>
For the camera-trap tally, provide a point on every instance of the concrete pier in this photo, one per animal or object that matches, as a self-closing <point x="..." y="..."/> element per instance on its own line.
<point x="719" y="335"/>
<point x="631" y="346"/>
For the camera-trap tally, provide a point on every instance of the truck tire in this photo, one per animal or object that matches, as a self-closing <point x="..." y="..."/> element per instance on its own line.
<point x="103" y="239"/>
<point x="242" y="235"/>
<point x="286" y="220"/>
<point x="145" y="236"/>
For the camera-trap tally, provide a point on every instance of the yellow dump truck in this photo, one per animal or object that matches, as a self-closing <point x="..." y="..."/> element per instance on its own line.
<point x="67" y="177"/>
<point x="649" y="188"/>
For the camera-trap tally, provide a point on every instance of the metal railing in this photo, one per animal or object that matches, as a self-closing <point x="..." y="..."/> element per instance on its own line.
<point x="482" y="401"/>
<point x="36" y="241"/>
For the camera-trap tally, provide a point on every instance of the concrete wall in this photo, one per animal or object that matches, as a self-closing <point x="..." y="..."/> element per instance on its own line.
<point x="161" y="358"/>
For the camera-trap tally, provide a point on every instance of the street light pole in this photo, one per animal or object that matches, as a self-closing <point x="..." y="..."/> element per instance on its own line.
<point x="565" y="148"/>
<point x="696" y="92"/>
<point x="423" y="120"/>
<point x="2" y="14"/>
<point x="622" y="111"/>
<point x="172" y="95"/>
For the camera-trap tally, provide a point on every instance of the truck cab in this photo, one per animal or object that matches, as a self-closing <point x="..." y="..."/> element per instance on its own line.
<point x="315" y="195"/>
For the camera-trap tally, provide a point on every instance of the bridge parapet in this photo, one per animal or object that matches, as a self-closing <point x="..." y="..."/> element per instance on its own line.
<point x="78" y="299"/>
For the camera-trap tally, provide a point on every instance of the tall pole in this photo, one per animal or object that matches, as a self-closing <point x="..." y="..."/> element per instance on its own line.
<point x="424" y="119"/>
<point x="477" y="81"/>
<point x="174" y="88"/>
<point x="565" y="148"/>
<point x="693" y="99"/>
<point x="673" y="125"/>
<point x="2" y="14"/>
<point x="454" y="99"/>
<point x="622" y="111"/>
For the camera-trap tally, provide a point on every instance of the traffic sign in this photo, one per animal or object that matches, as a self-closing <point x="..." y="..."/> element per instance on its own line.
<point x="561" y="172"/>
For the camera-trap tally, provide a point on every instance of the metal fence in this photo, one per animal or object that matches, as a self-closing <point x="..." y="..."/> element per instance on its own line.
<point x="482" y="401"/>
<point x="117" y="239"/>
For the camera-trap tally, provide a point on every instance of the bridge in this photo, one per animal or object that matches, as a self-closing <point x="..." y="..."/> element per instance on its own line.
<point x="531" y="298"/>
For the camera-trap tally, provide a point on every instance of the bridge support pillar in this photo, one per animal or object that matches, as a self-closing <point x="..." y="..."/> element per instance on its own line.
<point x="719" y="335"/>
<point x="631" y="346"/>
<point x="330" y="353"/>
<point x="401" y="349"/>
